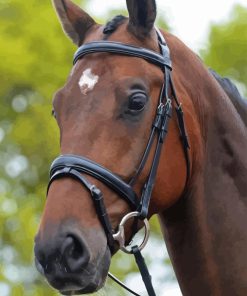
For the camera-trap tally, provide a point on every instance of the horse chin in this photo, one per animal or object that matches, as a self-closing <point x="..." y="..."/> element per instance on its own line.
<point x="87" y="290"/>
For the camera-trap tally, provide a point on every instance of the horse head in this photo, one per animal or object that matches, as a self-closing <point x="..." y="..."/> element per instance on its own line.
<point x="105" y="113"/>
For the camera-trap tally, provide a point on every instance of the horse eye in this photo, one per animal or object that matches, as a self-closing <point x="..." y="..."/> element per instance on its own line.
<point x="137" y="102"/>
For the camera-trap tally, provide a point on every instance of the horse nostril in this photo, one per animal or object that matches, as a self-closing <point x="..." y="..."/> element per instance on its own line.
<point x="74" y="253"/>
<point x="39" y="266"/>
<point x="72" y="248"/>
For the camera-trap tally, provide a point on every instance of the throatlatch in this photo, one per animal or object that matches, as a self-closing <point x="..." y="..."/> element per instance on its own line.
<point x="73" y="166"/>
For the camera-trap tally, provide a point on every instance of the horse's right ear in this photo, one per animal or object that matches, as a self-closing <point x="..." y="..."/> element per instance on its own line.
<point x="74" y="20"/>
<point x="142" y="15"/>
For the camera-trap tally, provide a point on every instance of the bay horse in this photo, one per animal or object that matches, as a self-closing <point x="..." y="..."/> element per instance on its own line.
<point x="105" y="113"/>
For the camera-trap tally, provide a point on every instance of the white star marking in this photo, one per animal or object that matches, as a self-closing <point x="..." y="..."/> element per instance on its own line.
<point x="88" y="81"/>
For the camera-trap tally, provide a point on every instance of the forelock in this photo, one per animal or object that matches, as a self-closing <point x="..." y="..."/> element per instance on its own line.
<point x="113" y="24"/>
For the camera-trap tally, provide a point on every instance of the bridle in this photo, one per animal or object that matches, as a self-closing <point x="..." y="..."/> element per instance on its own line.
<point x="74" y="166"/>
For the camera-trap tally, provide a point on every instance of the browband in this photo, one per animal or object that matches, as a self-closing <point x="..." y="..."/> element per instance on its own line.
<point x="128" y="50"/>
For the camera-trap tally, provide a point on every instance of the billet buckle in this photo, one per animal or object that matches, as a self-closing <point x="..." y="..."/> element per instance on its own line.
<point x="120" y="235"/>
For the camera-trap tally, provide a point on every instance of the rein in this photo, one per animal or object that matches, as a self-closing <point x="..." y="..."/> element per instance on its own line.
<point x="73" y="165"/>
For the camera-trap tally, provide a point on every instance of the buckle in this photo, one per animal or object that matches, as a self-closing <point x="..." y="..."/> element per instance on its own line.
<point x="159" y="114"/>
<point x="120" y="235"/>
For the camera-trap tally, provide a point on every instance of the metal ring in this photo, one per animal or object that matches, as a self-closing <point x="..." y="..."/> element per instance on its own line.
<point x="120" y="235"/>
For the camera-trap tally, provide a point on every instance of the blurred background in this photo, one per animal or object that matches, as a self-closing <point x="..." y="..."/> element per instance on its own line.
<point x="35" y="59"/>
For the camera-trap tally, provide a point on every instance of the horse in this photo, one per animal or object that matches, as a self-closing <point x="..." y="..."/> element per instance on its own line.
<point x="105" y="113"/>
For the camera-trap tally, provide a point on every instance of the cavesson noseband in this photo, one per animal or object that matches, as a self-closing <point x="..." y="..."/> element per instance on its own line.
<point x="74" y="166"/>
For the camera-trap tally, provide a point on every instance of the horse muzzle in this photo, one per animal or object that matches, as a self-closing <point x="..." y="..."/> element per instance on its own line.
<point x="69" y="265"/>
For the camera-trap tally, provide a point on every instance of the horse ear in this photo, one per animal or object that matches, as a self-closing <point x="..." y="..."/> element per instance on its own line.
<point x="142" y="15"/>
<point x="74" y="20"/>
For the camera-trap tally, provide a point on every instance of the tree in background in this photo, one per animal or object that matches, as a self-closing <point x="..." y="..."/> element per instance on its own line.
<point x="226" y="52"/>
<point x="35" y="59"/>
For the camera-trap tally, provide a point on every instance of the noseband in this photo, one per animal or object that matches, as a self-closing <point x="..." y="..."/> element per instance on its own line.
<point x="74" y="166"/>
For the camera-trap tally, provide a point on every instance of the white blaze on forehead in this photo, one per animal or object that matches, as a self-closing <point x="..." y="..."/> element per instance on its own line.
<point x="88" y="81"/>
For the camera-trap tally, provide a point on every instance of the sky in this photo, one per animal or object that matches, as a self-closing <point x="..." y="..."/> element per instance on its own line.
<point x="190" y="20"/>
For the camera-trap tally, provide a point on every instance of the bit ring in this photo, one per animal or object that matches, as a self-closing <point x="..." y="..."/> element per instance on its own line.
<point x="120" y="235"/>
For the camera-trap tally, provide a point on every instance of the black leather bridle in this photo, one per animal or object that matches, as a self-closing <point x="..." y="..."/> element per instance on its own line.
<point x="74" y="166"/>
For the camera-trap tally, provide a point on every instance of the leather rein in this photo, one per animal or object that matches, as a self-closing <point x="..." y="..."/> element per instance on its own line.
<point x="74" y="166"/>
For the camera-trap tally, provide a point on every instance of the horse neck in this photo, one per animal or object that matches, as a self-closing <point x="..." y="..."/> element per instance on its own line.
<point x="205" y="231"/>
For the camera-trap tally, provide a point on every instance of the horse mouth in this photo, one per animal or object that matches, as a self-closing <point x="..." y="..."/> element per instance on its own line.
<point x="80" y="284"/>
<point x="79" y="292"/>
<point x="89" y="289"/>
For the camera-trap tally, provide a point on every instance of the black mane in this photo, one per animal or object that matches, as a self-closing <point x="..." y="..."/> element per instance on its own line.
<point x="231" y="90"/>
<point x="112" y="25"/>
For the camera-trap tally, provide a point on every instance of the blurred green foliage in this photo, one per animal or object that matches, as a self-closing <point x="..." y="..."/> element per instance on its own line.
<point x="227" y="47"/>
<point x="35" y="61"/>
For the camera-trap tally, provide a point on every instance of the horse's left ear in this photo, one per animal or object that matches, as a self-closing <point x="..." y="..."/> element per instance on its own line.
<point x="142" y="15"/>
<point x="75" y="21"/>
